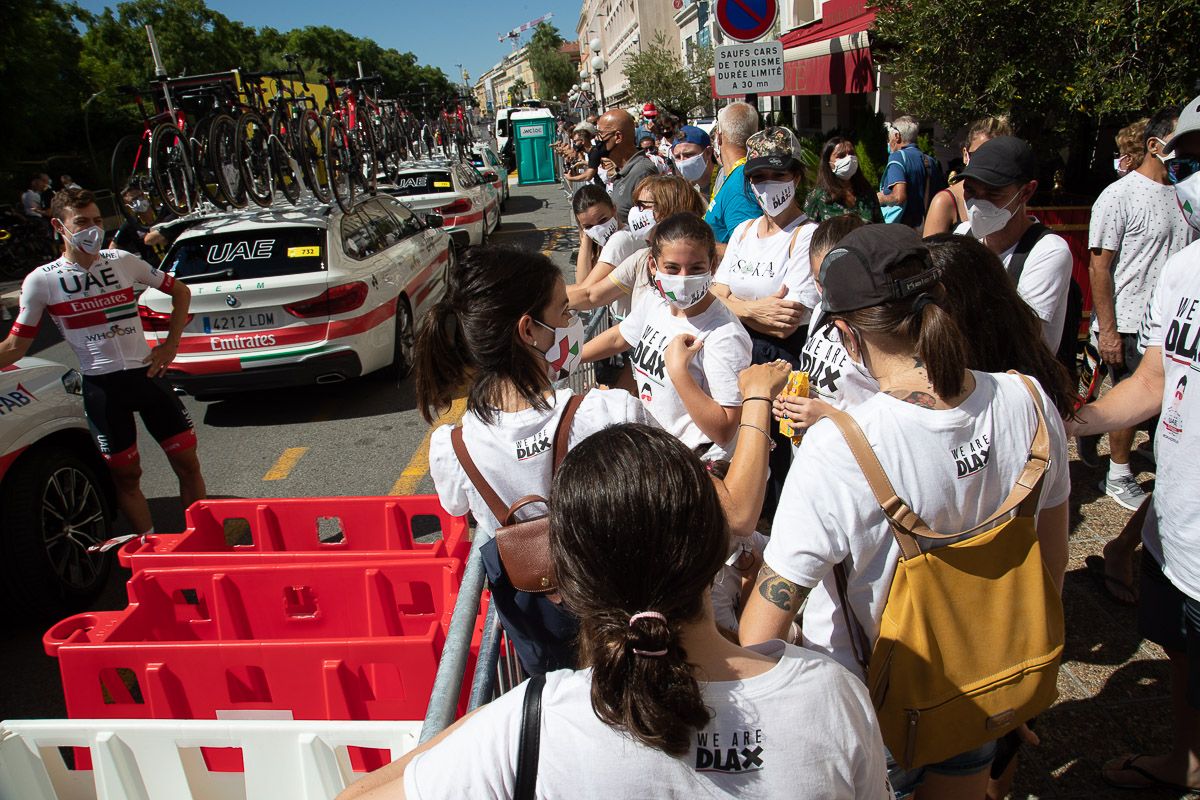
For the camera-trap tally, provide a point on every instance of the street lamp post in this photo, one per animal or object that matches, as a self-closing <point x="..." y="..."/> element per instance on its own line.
<point x="598" y="65"/>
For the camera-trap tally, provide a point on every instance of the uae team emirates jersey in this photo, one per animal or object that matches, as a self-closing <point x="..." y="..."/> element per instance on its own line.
<point x="95" y="308"/>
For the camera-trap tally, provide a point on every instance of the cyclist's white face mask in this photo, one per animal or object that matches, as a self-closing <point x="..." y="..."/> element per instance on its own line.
<point x="88" y="240"/>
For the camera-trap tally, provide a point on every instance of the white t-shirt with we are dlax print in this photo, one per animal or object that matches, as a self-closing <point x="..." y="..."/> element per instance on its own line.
<point x="650" y="327"/>
<point x="804" y="728"/>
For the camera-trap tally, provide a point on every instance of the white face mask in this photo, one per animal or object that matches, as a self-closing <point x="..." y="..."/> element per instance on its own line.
<point x="692" y="169"/>
<point x="774" y="196"/>
<point x="88" y="240"/>
<point x="716" y="145"/>
<point x="601" y="233"/>
<point x="1187" y="193"/>
<point x="141" y="205"/>
<point x="1161" y="156"/>
<point x="683" y="291"/>
<point x="1117" y="162"/>
<point x="986" y="218"/>
<point x="603" y="173"/>
<point x="846" y="166"/>
<point x="641" y="221"/>
<point x="563" y="356"/>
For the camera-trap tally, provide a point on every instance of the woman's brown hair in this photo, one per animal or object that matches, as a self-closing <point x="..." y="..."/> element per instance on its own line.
<point x="636" y="525"/>
<point x="473" y="332"/>
<point x="672" y="195"/>
<point x="1000" y="328"/>
<point x="833" y="185"/>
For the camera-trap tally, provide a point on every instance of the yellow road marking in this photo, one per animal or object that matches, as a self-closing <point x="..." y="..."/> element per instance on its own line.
<point x="553" y="241"/>
<point x="285" y="464"/>
<point x="418" y="465"/>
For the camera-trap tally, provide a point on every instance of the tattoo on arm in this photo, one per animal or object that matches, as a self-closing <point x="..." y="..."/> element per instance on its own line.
<point x="922" y="399"/>
<point x="779" y="591"/>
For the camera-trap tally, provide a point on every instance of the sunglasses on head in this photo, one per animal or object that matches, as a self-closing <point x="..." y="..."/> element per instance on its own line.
<point x="1180" y="168"/>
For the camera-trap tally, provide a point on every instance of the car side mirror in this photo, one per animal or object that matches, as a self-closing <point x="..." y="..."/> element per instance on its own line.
<point x="490" y="176"/>
<point x="434" y="221"/>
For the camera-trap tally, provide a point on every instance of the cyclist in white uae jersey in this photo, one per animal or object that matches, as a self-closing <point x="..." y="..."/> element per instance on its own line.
<point x="89" y="293"/>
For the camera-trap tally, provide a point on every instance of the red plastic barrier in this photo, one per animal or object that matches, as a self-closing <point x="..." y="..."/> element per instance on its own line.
<point x="337" y="640"/>
<point x="299" y="530"/>
<point x="1071" y="223"/>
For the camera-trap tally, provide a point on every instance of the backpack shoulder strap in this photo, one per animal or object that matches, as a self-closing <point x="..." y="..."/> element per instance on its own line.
<point x="529" y="742"/>
<point x="927" y="163"/>
<point x="1016" y="264"/>
<point x="904" y="521"/>
<point x="494" y="503"/>
<point x="1028" y="489"/>
<point x="563" y="432"/>
<point x="795" y="233"/>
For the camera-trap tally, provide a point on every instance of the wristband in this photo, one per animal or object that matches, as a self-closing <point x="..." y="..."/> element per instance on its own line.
<point x="764" y="399"/>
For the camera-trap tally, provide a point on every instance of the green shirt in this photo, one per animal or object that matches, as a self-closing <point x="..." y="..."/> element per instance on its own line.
<point x="820" y="206"/>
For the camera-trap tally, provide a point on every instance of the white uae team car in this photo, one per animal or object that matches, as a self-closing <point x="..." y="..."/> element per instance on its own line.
<point x="300" y="296"/>
<point x="453" y="189"/>
<point x="56" y="497"/>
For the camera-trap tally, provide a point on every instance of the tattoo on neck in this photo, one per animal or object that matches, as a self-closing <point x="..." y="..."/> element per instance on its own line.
<point x="779" y="591"/>
<point x="918" y="363"/>
<point x="923" y="399"/>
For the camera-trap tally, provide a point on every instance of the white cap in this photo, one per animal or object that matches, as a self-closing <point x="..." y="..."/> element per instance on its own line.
<point x="1189" y="122"/>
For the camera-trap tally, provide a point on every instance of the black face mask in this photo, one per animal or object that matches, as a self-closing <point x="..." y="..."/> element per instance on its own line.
<point x="602" y="147"/>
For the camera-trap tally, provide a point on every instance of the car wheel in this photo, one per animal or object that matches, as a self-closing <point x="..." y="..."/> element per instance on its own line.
<point x="54" y="509"/>
<point x="404" y="345"/>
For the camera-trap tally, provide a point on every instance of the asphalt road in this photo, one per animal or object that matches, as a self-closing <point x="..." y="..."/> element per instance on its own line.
<point x="361" y="437"/>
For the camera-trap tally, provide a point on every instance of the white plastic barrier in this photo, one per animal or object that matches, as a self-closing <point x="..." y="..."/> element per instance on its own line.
<point x="160" y="759"/>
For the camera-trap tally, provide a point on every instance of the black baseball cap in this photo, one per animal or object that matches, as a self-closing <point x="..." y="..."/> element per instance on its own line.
<point x="1002" y="161"/>
<point x="857" y="272"/>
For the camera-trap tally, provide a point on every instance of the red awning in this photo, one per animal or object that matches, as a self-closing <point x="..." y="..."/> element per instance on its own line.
<point x="845" y="72"/>
<point x="828" y="29"/>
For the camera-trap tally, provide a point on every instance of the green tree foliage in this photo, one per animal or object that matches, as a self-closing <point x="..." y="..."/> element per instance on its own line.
<point x="516" y="91"/>
<point x="657" y="75"/>
<point x="41" y="88"/>
<point x="553" y="70"/>
<point x="1055" y="68"/>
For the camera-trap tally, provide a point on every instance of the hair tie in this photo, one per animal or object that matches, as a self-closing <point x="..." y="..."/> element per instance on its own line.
<point x="648" y="615"/>
<point x="923" y="299"/>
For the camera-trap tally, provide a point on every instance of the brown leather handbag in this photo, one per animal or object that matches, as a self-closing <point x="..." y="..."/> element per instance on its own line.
<point x="524" y="545"/>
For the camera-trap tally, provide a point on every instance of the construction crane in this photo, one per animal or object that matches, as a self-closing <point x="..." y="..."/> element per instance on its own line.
<point x="515" y="33"/>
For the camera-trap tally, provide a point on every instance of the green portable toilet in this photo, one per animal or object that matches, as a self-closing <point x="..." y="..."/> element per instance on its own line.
<point x="533" y="134"/>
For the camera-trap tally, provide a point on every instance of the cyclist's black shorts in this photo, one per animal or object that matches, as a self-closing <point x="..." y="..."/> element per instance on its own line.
<point x="110" y="401"/>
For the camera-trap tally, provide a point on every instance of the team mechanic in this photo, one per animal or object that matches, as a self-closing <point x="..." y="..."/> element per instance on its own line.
<point x="89" y="294"/>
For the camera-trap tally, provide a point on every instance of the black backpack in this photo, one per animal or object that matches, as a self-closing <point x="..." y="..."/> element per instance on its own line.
<point x="1068" y="345"/>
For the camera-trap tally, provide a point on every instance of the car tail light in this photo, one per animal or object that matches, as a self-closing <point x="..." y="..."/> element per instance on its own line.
<point x="156" y="321"/>
<point x="457" y="207"/>
<point x="336" y="300"/>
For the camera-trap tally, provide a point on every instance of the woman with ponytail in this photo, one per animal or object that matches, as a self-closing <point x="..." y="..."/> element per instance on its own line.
<point x="664" y="705"/>
<point x="502" y="335"/>
<point x="952" y="441"/>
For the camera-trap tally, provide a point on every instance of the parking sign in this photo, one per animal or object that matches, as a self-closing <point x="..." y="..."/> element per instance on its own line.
<point x="746" y="20"/>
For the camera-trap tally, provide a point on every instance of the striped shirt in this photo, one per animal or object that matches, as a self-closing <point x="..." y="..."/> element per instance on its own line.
<point x="94" y="308"/>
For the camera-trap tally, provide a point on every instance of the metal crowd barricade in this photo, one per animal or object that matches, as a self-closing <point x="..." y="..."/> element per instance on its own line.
<point x="497" y="668"/>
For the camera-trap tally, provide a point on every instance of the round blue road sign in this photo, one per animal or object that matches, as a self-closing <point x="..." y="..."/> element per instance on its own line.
<point x="746" y="20"/>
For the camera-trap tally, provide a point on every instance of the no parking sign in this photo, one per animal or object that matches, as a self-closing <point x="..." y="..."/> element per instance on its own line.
<point x="746" y="20"/>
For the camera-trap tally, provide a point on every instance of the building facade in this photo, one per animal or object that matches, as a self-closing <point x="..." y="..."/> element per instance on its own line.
<point x="623" y="27"/>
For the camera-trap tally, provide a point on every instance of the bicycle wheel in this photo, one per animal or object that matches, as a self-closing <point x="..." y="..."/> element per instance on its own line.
<point x="368" y="163"/>
<point x="283" y="163"/>
<point x="222" y="153"/>
<point x="171" y="166"/>
<point x="206" y="178"/>
<point x="402" y="150"/>
<point x="341" y="164"/>
<point x="253" y="153"/>
<point x="312" y="151"/>
<point x="130" y="169"/>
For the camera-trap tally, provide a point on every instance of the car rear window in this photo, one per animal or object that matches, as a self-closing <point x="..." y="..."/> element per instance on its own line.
<point x="411" y="183"/>
<point x="247" y="255"/>
<point x="502" y="127"/>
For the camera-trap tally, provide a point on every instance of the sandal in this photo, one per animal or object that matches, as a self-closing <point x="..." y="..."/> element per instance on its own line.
<point x="1128" y="765"/>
